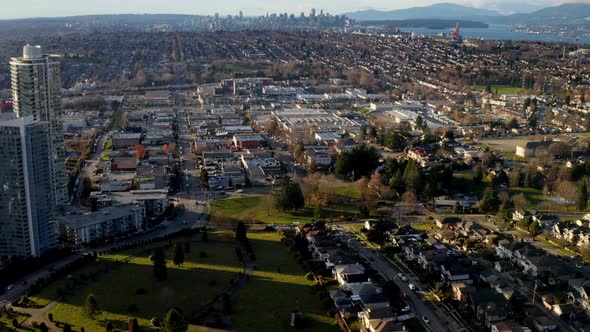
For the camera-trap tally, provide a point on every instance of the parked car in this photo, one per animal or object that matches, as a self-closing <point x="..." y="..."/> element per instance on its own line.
<point x="425" y="319"/>
<point x="412" y="287"/>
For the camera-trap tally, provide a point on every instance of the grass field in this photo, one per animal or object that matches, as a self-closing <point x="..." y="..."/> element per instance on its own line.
<point x="245" y="69"/>
<point x="465" y="181"/>
<point x="6" y="320"/>
<point x="260" y="209"/>
<point x="277" y="288"/>
<point x="501" y="89"/>
<point x="115" y="285"/>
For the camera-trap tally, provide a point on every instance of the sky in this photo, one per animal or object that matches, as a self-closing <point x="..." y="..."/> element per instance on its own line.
<point x="52" y="8"/>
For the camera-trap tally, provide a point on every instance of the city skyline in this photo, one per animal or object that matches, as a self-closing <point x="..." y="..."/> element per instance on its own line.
<point x="59" y="8"/>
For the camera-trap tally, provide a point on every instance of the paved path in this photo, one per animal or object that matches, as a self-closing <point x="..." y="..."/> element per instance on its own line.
<point x="39" y="315"/>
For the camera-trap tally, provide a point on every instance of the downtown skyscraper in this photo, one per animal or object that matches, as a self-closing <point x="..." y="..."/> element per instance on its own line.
<point x="36" y="91"/>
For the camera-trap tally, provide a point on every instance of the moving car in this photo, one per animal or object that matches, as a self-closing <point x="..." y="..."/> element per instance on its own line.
<point x="425" y="319"/>
<point x="412" y="287"/>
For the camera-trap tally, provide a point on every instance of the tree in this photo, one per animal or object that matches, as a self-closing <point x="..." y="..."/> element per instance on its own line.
<point x="535" y="228"/>
<point x="299" y="150"/>
<point x="204" y="179"/>
<point x="478" y="174"/>
<point x="318" y="212"/>
<point x="290" y="197"/>
<point x="348" y="165"/>
<point x="419" y="122"/>
<point x="205" y="236"/>
<point x="67" y="328"/>
<point x="582" y="198"/>
<point x="90" y="306"/>
<point x="159" y="260"/>
<point x="133" y="326"/>
<point x="513" y="124"/>
<point x="178" y="255"/>
<point x="364" y="211"/>
<point x="241" y="232"/>
<point x="43" y="327"/>
<point x="174" y="321"/>
<point x="490" y="202"/>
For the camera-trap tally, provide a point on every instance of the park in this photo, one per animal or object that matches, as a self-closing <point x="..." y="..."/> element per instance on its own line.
<point x="123" y="287"/>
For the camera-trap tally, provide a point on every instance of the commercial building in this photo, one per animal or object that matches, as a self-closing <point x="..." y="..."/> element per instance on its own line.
<point x="27" y="208"/>
<point x="125" y="140"/>
<point x="36" y="91"/>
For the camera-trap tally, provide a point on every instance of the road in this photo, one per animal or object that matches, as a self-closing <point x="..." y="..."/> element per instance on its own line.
<point x="89" y="167"/>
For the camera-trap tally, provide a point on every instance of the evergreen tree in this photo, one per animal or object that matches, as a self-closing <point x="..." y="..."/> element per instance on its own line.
<point x="241" y="232"/>
<point x="290" y="197"/>
<point x="178" y="255"/>
<point x="159" y="261"/>
<point x="582" y="199"/>
<point x="90" y="306"/>
<point x="205" y="236"/>
<point x="174" y="321"/>
<point x="490" y="202"/>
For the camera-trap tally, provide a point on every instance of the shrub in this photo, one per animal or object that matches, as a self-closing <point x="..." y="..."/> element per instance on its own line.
<point x="67" y="328"/>
<point x="140" y="291"/>
<point x="212" y="282"/>
<point x="50" y="317"/>
<point x="34" y="324"/>
<point x="132" y="308"/>
<point x="203" y="254"/>
<point x="15" y="323"/>
<point x="156" y="322"/>
<point x="110" y="327"/>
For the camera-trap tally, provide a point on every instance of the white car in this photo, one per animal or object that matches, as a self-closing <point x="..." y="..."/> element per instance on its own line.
<point x="10" y="287"/>
<point x="239" y="191"/>
<point x="425" y="319"/>
<point x="412" y="287"/>
<point x="402" y="277"/>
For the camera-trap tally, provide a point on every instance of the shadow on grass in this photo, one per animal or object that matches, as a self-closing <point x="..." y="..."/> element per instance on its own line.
<point x="266" y="301"/>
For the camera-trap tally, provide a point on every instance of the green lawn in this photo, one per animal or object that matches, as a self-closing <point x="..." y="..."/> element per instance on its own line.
<point x="534" y="196"/>
<point x="253" y="209"/>
<point x="189" y="287"/>
<point x="276" y="289"/>
<point x="464" y="181"/>
<point x="245" y="69"/>
<point x="502" y="89"/>
<point x="6" y="320"/>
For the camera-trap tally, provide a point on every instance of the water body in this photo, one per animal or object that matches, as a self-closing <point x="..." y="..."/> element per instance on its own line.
<point x="499" y="32"/>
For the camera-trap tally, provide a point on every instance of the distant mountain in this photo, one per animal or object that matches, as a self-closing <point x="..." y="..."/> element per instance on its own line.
<point x="438" y="11"/>
<point x="560" y="15"/>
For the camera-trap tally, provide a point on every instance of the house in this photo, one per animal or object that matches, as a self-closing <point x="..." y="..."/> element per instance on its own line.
<point x="508" y="326"/>
<point x="368" y="316"/>
<point x="448" y="222"/>
<point x="461" y="291"/>
<point x="544" y="323"/>
<point x="580" y="292"/>
<point x="503" y="266"/>
<point x="520" y="214"/>
<point x="350" y="274"/>
<point x="546" y="220"/>
<point x="492" y="312"/>
<point x="386" y="325"/>
<point x="453" y="272"/>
